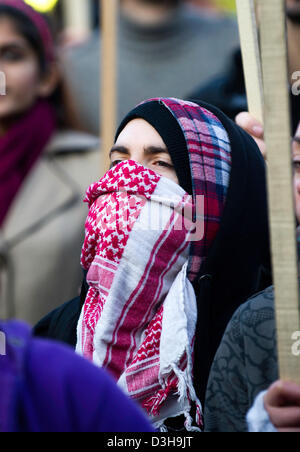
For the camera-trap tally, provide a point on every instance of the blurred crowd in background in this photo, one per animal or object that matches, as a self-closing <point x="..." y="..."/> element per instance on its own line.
<point x="162" y="47"/>
<point x="166" y="48"/>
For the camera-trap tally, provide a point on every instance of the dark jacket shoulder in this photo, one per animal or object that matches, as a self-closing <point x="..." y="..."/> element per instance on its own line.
<point x="245" y="364"/>
<point x="60" y="324"/>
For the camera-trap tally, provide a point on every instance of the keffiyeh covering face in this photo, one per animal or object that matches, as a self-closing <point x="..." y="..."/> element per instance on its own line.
<point x="140" y="314"/>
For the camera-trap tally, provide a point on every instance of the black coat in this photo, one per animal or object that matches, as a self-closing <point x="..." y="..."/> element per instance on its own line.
<point x="227" y="91"/>
<point x="61" y="324"/>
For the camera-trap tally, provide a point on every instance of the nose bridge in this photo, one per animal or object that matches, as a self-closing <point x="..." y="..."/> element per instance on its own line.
<point x="138" y="155"/>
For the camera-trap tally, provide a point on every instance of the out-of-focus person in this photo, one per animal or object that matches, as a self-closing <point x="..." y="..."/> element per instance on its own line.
<point x="45" y="167"/>
<point x="276" y="410"/>
<point x="246" y="364"/>
<point x="235" y="383"/>
<point x="165" y="48"/>
<point x="46" y="387"/>
<point x="227" y="91"/>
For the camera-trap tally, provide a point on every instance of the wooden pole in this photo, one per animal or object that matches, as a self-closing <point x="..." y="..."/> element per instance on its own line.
<point x="280" y="183"/>
<point x="251" y="56"/>
<point x="108" y="79"/>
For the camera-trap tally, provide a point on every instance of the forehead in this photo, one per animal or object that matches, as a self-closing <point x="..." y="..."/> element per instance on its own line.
<point x="9" y="32"/>
<point x="140" y="132"/>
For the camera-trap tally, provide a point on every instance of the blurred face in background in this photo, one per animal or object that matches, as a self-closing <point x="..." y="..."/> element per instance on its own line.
<point x="296" y="164"/>
<point x="149" y="12"/>
<point x="20" y="64"/>
<point x="159" y="2"/>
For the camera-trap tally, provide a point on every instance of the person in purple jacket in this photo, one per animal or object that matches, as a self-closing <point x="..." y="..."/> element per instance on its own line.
<point x="46" y="387"/>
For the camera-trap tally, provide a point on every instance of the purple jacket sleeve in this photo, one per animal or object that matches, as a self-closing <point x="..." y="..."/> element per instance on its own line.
<point x="63" y="392"/>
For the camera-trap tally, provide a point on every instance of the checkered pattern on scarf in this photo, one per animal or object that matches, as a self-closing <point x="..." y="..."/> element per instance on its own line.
<point x="210" y="162"/>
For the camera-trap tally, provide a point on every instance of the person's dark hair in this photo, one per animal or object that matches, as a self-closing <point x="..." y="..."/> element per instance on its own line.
<point x="61" y="99"/>
<point x="293" y="14"/>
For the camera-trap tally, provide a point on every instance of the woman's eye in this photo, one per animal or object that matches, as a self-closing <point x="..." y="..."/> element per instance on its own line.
<point x="12" y="55"/>
<point x="115" y="163"/>
<point x="164" y="164"/>
<point x="296" y="165"/>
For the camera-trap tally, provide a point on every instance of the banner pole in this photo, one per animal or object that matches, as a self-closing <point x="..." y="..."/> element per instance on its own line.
<point x="277" y="124"/>
<point x="251" y="56"/>
<point x="108" y="114"/>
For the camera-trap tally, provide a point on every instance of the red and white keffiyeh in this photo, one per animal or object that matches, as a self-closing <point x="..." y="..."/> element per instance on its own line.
<point x="140" y="313"/>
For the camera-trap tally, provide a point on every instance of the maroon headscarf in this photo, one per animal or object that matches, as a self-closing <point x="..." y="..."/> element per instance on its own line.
<point x="22" y="144"/>
<point x="38" y="21"/>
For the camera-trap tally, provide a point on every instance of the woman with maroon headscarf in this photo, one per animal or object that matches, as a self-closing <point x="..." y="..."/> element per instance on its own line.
<point x="43" y="170"/>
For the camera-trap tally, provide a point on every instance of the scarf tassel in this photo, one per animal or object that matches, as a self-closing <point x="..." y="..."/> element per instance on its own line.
<point x="183" y="387"/>
<point x="153" y="404"/>
<point x="186" y="390"/>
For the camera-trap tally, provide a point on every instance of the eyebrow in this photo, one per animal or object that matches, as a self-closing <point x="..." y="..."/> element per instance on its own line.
<point x="148" y="150"/>
<point x="14" y="45"/>
<point x="120" y="149"/>
<point x="296" y="139"/>
<point x="153" y="150"/>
